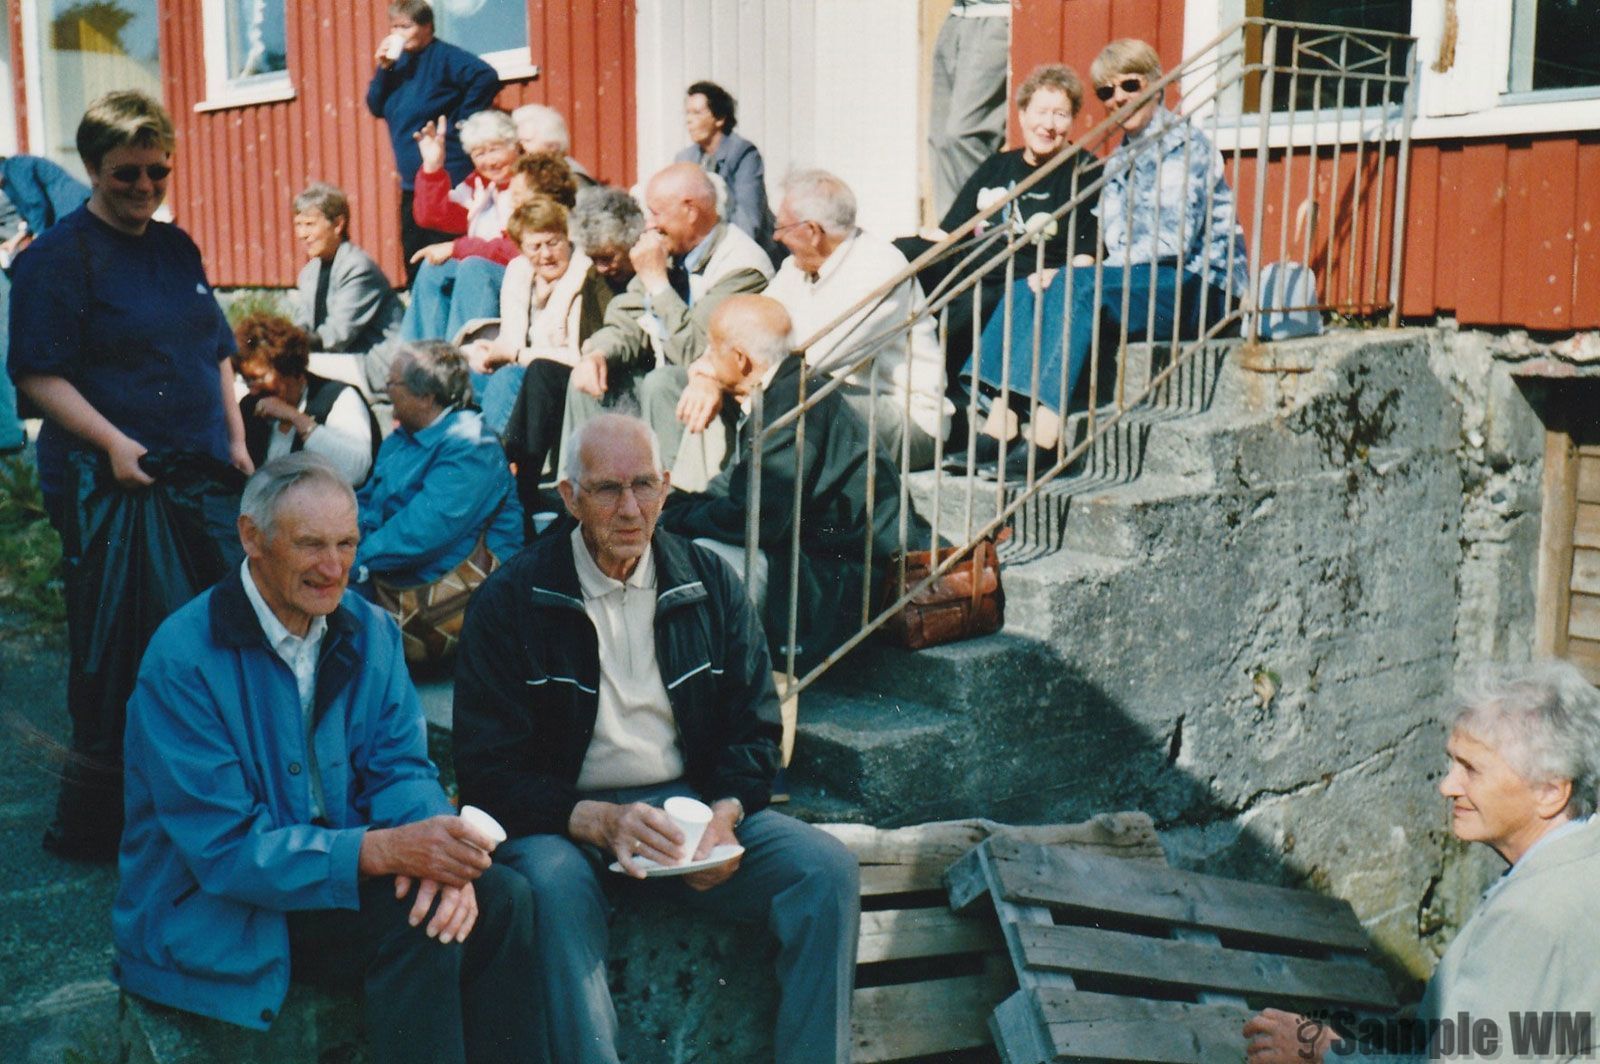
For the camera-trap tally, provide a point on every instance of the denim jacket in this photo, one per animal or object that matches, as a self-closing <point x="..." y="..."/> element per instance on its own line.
<point x="220" y="841"/>
<point x="1181" y="208"/>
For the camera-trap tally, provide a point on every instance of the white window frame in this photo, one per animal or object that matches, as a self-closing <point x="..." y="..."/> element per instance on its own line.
<point x="512" y="64"/>
<point x="223" y="91"/>
<point x="1471" y="99"/>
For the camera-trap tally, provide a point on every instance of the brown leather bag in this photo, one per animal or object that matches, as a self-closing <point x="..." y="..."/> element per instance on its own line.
<point x="965" y="602"/>
<point x="431" y="615"/>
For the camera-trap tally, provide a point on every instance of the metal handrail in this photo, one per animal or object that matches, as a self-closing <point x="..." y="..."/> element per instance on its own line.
<point x="1206" y="84"/>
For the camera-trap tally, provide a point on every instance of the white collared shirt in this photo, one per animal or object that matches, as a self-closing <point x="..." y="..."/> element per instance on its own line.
<point x="635" y="739"/>
<point x="300" y="654"/>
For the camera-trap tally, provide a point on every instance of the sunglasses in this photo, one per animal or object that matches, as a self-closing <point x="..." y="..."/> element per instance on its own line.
<point x="127" y="175"/>
<point x="1127" y="85"/>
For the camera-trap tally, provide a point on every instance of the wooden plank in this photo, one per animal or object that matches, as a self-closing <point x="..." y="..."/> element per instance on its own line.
<point x="1588" y="478"/>
<point x="1036" y="875"/>
<point x="1104" y="1027"/>
<point x="1584" y="621"/>
<point x="903" y="934"/>
<point x="1089" y="950"/>
<point x="1018" y="1032"/>
<point x="1586" y="571"/>
<point x="1586" y="526"/>
<point x="1556" y="534"/>
<point x="922" y="1019"/>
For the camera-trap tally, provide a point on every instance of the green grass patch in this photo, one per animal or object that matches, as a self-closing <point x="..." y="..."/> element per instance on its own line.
<point x="31" y="593"/>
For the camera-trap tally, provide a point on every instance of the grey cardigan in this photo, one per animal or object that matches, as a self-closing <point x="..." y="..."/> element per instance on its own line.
<point x="363" y="310"/>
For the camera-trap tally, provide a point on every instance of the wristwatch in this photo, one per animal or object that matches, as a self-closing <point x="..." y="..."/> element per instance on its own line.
<point x="739" y="819"/>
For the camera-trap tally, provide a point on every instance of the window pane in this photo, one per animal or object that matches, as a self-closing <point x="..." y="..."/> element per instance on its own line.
<point x="483" y="26"/>
<point x="255" y="38"/>
<point x="1320" y="59"/>
<point x="90" y="48"/>
<point x="1564" y="52"/>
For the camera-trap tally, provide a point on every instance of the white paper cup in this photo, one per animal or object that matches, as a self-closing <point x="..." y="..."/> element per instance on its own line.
<point x="483" y="824"/>
<point x="692" y="817"/>
<point x="393" y="46"/>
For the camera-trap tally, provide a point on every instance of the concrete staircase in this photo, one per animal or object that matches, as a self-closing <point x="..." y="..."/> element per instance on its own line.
<point x="1062" y="712"/>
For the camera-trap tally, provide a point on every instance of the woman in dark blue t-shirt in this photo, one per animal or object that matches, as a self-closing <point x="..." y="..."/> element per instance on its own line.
<point x="117" y="338"/>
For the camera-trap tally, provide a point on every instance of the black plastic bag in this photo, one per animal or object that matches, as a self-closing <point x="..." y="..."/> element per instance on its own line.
<point x="132" y="558"/>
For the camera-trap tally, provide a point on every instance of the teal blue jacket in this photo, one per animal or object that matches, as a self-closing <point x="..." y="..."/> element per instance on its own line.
<point x="220" y="841"/>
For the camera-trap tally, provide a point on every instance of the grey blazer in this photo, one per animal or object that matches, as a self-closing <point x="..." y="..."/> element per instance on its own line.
<point x="363" y="310"/>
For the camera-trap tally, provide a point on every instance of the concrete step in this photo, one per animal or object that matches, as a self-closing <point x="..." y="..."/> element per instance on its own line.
<point x="876" y="753"/>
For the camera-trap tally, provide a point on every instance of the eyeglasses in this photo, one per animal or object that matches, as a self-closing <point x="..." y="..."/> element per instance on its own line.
<point x="127" y="175"/>
<point x="791" y="225"/>
<point x="1127" y="85"/>
<point x="608" y="493"/>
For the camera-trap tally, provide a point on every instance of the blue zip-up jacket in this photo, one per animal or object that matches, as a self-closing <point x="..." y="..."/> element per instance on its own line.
<point x="219" y="842"/>
<point x="42" y="192"/>
<point x="442" y="79"/>
<point x="430" y="495"/>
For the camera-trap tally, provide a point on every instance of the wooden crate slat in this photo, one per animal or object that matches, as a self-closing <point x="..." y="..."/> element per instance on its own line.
<point x="920" y="1019"/>
<point x="1586" y="571"/>
<point x="1082" y="950"/>
<point x="1034" y="875"/>
<point x="1584" y="620"/>
<point x="877" y="880"/>
<point x="903" y="934"/>
<point x="1019" y="1033"/>
<point x="1588" y="477"/>
<point x="1085" y="1026"/>
<point x="1586" y="528"/>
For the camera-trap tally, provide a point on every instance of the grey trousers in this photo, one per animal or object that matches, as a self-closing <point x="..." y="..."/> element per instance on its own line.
<point x="967" y="112"/>
<point x="800" y="882"/>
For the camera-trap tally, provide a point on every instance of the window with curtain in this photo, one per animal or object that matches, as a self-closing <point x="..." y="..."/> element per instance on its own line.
<point x="255" y="36"/>
<point x="494" y="29"/>
<point x="86" y="48"/>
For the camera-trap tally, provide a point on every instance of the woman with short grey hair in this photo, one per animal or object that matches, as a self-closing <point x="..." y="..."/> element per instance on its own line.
<point x="605" y="225"/>
<point x="1524" y="777"/>
<point x="440" y="485"/>
<point x="341" y="298"/>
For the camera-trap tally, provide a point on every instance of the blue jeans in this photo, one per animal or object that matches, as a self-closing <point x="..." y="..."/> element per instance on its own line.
<point x="1143" y="286"/>
<point x="447" y="296"/>
<point x="800" y="882"/>
<point x="496" y="395"/>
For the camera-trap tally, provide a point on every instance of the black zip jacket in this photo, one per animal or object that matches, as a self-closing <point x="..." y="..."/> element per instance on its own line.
<point x="528" y="673"/>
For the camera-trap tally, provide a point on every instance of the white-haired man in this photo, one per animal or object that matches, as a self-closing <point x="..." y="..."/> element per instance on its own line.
<point x="687" y="262"/>
<point x="896" y="376"/>
<point x="283" y="817"/>
<point x="542" y="129"/>
<point x="602" y="673"/>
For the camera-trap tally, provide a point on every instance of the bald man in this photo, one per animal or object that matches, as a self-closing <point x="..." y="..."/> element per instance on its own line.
<point x="601" y="674"/>
<point x="749" y="352"/>
<point x="688" y="261"/>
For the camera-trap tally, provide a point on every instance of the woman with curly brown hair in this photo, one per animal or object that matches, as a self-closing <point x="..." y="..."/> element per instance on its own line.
<point x="290" y="409"/>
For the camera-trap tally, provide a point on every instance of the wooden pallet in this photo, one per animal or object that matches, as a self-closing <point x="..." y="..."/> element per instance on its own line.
<point x="928" y="978"/>
<point x="1126" y="961"/>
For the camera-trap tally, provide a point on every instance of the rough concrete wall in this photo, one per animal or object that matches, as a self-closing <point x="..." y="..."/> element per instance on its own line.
<point x="1311" y="561"/>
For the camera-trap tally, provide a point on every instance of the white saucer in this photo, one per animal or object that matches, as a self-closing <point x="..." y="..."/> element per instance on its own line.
<point x="718" y="856"/>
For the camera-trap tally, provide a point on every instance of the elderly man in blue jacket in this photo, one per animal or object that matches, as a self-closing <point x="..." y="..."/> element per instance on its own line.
<point x="283" y="816"/>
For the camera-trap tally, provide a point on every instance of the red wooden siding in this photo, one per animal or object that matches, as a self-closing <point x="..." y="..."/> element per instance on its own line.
<point x="1499" y="231"/>
<point x="238" y="168"/>
<point x="19" y="95"/>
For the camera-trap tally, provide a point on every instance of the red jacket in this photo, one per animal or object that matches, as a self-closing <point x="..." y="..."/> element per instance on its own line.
<point x="433" y="208"/>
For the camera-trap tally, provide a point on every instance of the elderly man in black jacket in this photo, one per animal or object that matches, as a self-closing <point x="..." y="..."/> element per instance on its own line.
<point x="835" y="462"/>
<point x="601" y="673"/>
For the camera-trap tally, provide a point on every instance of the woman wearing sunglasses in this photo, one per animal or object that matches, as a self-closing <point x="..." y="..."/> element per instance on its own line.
<point x="119" y="341"/>
<point x="1174" y="257"/>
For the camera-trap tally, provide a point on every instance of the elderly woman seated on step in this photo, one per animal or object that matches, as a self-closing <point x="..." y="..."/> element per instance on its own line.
<point x="1173" y="261"/>
<point x="440" y="485"/>
<point x="1523" y="779"/>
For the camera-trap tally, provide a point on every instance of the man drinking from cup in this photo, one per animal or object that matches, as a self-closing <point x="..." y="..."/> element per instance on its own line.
<point x="604" y="674"/>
